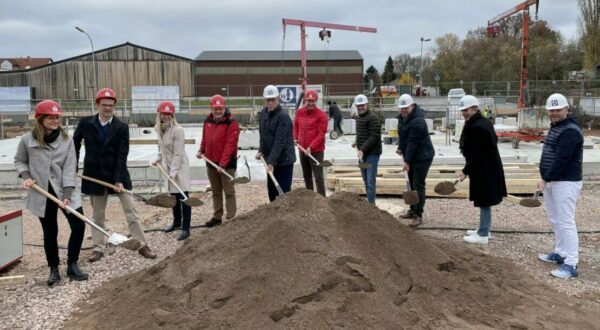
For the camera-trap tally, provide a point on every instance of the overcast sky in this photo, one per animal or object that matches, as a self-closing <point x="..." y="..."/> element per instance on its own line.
<point x="188" y="27"/>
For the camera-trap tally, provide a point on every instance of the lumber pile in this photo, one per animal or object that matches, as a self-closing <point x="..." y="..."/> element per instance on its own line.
<point x="521" y="179"/>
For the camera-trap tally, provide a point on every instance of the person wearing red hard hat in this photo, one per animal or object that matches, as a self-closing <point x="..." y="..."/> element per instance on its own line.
<point x="310" y="127"/>
<point x="219" y="144"/>
<point x="46" y="156"/>
<point x="172" y="156"/>
<point x="106" y="139"/>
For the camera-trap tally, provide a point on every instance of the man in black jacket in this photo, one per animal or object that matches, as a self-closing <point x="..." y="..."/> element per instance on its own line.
<point x="276" y="142"/>
<point x="415" y="146"/>
<point x="368" y="144"/>
<point x="336" y="114"/>
<point x="106" y="141"/>
<point x="483" y="166"/>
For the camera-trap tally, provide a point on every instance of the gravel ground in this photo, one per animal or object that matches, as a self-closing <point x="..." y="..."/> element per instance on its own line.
<point x="36" y="306"/>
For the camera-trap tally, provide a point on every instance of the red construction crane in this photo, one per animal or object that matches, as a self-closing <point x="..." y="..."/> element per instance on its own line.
<point x="492" y="30"/>
<point x="322" y="34"/>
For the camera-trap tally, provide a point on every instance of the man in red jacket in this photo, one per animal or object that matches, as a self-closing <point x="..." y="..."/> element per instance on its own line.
<point x="219" y="144"/>
<point x="310" y="127"/>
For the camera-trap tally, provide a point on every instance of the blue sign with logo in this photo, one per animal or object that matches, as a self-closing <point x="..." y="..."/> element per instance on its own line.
<point x="288" y="95"/>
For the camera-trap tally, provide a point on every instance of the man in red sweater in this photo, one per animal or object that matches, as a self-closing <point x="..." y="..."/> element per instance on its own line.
<point x="310" y="127"/>
<point x="219" y="144"/>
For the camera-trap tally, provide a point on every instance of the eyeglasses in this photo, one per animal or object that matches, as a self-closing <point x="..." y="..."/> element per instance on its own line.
<point x="271" y="100"/>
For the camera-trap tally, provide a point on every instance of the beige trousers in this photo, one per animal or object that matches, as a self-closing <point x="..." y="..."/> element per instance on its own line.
<point x="220" y="183"/>
<point x="133" y="220"/>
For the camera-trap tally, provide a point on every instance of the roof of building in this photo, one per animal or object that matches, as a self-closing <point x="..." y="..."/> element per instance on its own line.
<point x="276" y="55"/>
<point x="20" y="63"/>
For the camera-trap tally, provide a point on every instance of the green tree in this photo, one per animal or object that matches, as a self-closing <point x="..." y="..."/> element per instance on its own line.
<point x="371" y="75"/>
<point x="448" y="57"/>
<point x="388" y="71"/>
<point x="589" y="31"/>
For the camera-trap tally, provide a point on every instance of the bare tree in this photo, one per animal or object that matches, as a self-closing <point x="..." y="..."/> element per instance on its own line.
<point x="589" y="31"/>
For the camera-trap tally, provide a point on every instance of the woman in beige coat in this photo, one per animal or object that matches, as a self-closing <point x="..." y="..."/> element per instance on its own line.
<point x="171" y="154"/>
<point x="46" y="157"/>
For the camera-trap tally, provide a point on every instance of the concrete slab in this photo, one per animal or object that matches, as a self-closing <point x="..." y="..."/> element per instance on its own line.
<point x="339" y="151"/>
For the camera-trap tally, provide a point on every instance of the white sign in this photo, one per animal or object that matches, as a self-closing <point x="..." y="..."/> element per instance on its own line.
<point x="15" y="99"/>
<point x="145" y="99"/>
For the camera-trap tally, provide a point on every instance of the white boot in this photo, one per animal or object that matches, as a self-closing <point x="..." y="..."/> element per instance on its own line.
<point x="475" y="239"/>
<point x="474" y="231"/>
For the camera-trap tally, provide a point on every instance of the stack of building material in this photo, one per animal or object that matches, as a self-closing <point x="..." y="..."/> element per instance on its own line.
<point x="521" y="178"/>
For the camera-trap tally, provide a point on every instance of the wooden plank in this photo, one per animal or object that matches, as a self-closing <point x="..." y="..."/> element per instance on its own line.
<point x="13" y="280"/>
<point x="155" y="142"/>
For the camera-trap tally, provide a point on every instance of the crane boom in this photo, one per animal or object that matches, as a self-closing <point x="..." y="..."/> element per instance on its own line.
<point x="304" y="24"/>
<point x="514" y="10"/>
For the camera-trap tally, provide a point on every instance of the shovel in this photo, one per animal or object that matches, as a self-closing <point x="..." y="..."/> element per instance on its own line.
<point x="446" y="187"/>
<point x="279" y="190"/>
<point x="241" y="179"/>
<point x="531" y="202"/>
<point x="161" y="200"/>
<point x="324" y="163"/>
<point x="114" y="238"/>
<point x="191" y="201"/>
<point x="411" y="197"/>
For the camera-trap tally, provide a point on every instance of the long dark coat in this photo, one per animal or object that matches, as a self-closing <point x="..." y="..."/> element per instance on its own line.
<point x="479" y="146"/>
<point x="105" y="157"/>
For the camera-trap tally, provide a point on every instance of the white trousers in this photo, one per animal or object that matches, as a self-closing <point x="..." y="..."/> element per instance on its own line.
<point x="560" y="198"/>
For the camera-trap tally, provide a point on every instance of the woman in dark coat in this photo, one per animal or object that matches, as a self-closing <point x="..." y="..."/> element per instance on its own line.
<point x="479" y="146"/>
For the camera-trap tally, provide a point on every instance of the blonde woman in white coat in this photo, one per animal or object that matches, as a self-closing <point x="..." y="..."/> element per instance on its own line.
<point x="171" y="147"/>
<point x="46" y="157"/>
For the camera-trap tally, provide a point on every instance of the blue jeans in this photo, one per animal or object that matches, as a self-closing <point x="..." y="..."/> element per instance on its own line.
<point x="369" y="176"/>
<point x="417" y="175"/>
<point x="485" y="221"/>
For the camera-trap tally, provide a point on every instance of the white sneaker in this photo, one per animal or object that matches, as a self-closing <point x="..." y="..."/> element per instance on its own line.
<point x="474" y="231"/>
<point x="475" y="239"/>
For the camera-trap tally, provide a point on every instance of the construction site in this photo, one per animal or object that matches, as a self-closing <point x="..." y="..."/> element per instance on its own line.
<point x="303" y="260"/>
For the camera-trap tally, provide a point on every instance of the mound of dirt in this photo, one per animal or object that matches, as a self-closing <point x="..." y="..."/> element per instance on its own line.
<point x="308" y="262"/>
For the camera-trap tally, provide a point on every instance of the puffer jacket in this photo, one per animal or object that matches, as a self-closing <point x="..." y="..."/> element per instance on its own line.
<point x="310" y="128"/>
<point x="368" y="133"/>
<point x="414" y="141"/>
<point x="562" y="155"/>
<point x="220" y="140"/>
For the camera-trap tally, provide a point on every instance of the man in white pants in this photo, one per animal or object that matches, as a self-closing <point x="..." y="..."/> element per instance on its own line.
<point x="561" y="168"/>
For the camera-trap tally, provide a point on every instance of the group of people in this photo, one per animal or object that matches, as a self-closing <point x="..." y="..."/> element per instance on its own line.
<point x="48" y="157"/>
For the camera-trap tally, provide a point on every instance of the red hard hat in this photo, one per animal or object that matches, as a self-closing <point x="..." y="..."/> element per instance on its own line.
<point x="47" y="107"/>
<point x="166" y="107"/>
<point x="312" y="95"/>
<point x="106" y="93"/>
<point x="217" y="101"/>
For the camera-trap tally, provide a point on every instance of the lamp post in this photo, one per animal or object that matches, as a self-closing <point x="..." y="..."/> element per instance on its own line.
<point x="421" y="69"/>
<point x="93" y="56"/>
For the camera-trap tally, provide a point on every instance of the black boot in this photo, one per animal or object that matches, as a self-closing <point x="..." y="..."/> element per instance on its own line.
<point x="184" y="235"/>
<point x="54" y="277"/>
<point x="171" y="228"/>
<point x="212" y="222"/>
<point x="74" y="273"/>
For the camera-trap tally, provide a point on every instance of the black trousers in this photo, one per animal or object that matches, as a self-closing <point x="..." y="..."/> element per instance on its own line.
<point x="337" y="124"/>
<point x="50" y="228"/>
<point x="309" y="169"/>
<point x="416" y="176"/>
<point x="283" y="175"/>
<point x="182" y="213"/>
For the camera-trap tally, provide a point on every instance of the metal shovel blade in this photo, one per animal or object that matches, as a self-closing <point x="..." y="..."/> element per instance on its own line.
<point x="123" y="241"/>
<point x="410" y="197"/>
<point x="445" y="188"/>
<point x="193" y="201"/>
<point x="363" y="165"/>
<point x="531" y="202"/>
<point x="162" y="200"/>
<point x="240" y="180"/>
<point x="325" y="163"/>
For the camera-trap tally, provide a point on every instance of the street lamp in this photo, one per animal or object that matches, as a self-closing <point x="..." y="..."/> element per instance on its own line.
<point x="421" y="69"/>
<point x="94" y="56"/>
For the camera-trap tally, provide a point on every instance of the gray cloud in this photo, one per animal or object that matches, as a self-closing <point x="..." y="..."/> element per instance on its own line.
<point x="46" y="29"/>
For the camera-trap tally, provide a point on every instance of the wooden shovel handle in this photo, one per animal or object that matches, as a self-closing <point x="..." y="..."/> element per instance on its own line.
<point x="171" y="180"/>
<point x="217" y="166"/>
<point x="68" y="208"/>
<point x="100" y="182"/>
